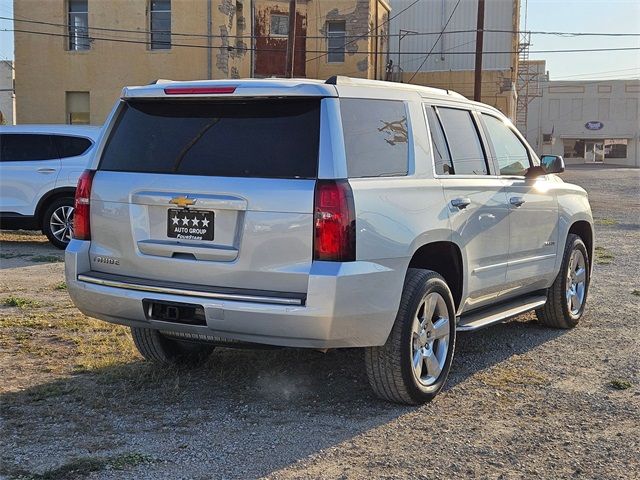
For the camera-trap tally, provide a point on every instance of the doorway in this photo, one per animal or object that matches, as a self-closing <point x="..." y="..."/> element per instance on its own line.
<point x="594" y="152"/>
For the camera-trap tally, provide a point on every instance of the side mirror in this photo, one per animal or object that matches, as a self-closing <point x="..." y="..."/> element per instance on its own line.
<point x="552" y="163"/>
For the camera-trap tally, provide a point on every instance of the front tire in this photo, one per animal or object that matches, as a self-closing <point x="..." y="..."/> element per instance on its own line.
<point x="567" y="297"/>
<point x="413" y="365"/>
<point x="155" y="347"/>
<point x="57" y="222"/>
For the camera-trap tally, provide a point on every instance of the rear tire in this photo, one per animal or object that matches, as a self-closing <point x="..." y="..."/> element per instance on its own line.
<point x="155" y="347"/>
<point x="57" y="222"/>
<point x="567" y="297"/>
<point x="413" y="365"/>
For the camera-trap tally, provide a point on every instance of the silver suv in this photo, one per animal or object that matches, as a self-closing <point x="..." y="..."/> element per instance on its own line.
<point x="346" y="213"/>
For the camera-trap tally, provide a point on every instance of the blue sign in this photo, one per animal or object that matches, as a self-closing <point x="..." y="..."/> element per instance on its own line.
<point x="594" y="125"/>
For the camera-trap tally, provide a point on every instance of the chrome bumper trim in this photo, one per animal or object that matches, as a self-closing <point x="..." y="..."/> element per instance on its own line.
<point x="189" y="293"/>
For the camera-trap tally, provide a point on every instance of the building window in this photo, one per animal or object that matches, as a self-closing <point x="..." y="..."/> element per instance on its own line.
<point x="573" y="148"/>
<point x="615" y="148"/>
<point x="78" y="25"/>
<point x="160" y="20"/>
<point x="336" y="41"/>
<point x="595" y="150"/>
<point x="279" y="25"/>
<point x="78" y="112"/>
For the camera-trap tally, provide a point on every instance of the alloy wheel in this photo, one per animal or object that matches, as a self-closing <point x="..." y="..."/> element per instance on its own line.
<point x="576" y="282"/>
<point x="430" y="339"/>
<point x="61" y="223"/>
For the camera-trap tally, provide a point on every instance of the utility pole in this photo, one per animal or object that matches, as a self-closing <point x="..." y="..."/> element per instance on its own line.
<point x="477" y="88"/>
<point x="291" y="41"/>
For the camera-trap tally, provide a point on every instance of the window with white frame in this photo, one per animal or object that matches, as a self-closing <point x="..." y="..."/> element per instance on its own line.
<point x="160" y="20"/>
<point x="78" y="25"/>
<point x="336" y="41"/>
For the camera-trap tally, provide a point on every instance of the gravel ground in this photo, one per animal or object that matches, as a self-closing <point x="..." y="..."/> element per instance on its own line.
<point x="521" y="401"/>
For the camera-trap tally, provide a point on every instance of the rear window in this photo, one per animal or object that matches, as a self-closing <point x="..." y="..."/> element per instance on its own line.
<point x="376" y="138"/>
<point x="72" y="146"/>
<point x="265" y="139"/>
<point x="20" y="147"/>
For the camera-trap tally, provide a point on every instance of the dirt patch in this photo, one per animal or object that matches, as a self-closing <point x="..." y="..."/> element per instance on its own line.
<point x="522" y="400"/>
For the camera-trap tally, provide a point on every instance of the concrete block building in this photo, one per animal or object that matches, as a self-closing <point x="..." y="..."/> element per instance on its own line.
<point x="595" y="121"/>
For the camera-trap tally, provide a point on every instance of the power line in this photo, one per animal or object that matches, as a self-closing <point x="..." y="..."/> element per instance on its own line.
<point x="323" y="52"/>
<point x="436" y="42"/>
<point x="203" y="35"/>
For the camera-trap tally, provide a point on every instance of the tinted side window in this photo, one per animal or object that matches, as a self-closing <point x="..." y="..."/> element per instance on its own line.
<point x="72" y="146"/>
<point x="375" y="137"/>
<point x="441" y="157"/>
<point x="17" y="147"/>
<point x="511" y="154"/>
<point x="258" y="138"/>
<point x="464" y="143"/>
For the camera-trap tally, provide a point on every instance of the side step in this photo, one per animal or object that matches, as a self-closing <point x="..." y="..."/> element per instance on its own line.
<point x="499" y="313"/>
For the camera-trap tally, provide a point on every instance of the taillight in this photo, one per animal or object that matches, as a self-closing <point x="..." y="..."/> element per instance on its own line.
<point x="334" y="221"/>
<point x="81" y="213"/>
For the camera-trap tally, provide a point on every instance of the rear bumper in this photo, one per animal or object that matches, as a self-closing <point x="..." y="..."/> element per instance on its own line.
<point x="347" y="305"/>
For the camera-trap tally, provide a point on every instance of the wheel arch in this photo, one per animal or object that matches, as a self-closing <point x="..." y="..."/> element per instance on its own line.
<point x="584" y="230"/>
<point x="45" y="201"/>
<point x="445" y="258"/>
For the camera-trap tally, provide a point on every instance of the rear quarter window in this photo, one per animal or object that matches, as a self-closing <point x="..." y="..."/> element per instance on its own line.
<point x="257" y="138"/>
<point x="24" y="147"/>
<point x="376" y="137"/>
<point x="69" y="146"/>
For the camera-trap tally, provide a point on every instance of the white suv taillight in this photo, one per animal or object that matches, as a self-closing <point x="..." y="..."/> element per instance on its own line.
<point x="334" y="222"/>
<point x="81" y="214"/>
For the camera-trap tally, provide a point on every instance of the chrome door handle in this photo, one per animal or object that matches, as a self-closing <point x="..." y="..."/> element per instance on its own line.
<point x="516" y="201"/>
<point x="460" y="203"/>
<point x="46" y="170"/>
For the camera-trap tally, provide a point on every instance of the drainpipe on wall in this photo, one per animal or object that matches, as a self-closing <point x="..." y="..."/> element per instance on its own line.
<point x="377" y="40"/>
<point x="209" y="42"/>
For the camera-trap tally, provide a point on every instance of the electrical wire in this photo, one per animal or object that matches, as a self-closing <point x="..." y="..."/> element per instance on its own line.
<point x="323" y="52"/>
<point x="203" y="35"/>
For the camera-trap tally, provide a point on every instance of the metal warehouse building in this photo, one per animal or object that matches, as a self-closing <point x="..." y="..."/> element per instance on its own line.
<point x="587" y="121"/>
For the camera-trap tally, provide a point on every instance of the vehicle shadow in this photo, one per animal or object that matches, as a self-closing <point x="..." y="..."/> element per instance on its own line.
<point x="274" y="407"/>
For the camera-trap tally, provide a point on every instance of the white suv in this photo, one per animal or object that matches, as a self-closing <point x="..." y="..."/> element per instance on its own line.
<point x="39" y="170"/>
<point x="346" y="213"/>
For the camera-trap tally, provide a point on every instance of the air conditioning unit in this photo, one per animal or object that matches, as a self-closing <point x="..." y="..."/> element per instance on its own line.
<point x="548" y="139"/>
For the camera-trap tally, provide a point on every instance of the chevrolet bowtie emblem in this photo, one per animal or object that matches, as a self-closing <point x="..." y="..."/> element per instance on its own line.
<point x="183" y="202"/>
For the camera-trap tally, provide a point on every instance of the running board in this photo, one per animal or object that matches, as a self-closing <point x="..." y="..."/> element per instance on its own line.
<point x="499" y="313"/>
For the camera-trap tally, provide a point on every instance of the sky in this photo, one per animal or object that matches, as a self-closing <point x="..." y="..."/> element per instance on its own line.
<point x="611" y="16"/>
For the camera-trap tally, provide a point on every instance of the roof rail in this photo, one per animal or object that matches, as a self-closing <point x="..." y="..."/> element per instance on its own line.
<point x="342" y="80"/>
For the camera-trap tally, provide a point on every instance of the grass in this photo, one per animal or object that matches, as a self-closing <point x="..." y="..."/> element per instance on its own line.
<point x="84" y="466"/>
<point x="510" y="378"/>
<point x="47" y="258"/>
<point x="6" y="256"/>
<point x="60" y="286"/>
<point x="620" y="384"/>
<point x="606" y="221"/>
<point x="19" y="302"/>
<point x="603" y="256"/>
